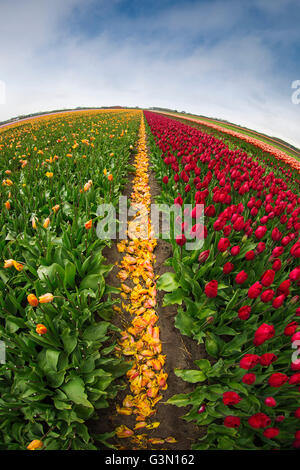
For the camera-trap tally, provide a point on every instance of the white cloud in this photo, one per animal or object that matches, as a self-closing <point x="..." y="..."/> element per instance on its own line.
<point x="45" y="66"/>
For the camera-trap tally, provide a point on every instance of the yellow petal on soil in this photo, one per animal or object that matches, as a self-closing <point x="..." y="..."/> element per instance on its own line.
<point x="153" y="425"/>
<point x="156" y="440"/>
<point x="126" y="288"/>
<point x="140" y="425"/>
<point x="170" y="440"/>
<point x="123" y="431"/>
<point x="124" y="411"/>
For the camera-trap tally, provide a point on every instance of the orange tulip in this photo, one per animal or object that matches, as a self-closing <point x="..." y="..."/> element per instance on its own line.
<point x="32" y="300"/>
<point x="88" y="225"/>
<point x="87" y="185"/>
<point x="8" y="263"/>
<point x="46" y="298"/>
<point x="55" y="208"/>
<point x="46" y="222"/>
<point x="36" y="444"/>
<point x="110" y="177"/>
<point x="7" y="205"/>
<point x="41" y="329"/>
<point x="7" y="182"/>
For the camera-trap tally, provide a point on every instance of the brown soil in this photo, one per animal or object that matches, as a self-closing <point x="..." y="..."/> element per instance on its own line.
<point x="180" y="353"/>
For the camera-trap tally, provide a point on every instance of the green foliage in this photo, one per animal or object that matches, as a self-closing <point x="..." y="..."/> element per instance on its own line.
<point x="51" y="384"/>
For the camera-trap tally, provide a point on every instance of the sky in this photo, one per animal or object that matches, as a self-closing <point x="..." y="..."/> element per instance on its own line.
<point x="230" y="59"/>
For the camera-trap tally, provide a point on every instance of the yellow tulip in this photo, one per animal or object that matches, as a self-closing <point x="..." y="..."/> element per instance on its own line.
<point x="36" y="444"/>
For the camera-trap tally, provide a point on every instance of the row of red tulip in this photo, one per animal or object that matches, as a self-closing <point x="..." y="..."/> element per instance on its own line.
<point x="245" y="285"/>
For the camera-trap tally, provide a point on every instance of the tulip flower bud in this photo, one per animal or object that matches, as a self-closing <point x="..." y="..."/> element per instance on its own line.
<point x="88" y="224"/>
<point x="36" y="444"/>
<point x="270" y="401"/>
<point x="41" y="329"/>
<point x="32" y="300"/>
<point x="201" y="409"/>
<point x="46" y="222"/>
<point x="203" y="256"/>
<point x="46" y="298"/>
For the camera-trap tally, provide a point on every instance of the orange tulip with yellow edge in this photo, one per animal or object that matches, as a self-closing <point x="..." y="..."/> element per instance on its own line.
<point x="88" y="224"/>
<point x="41" y="329"/>
<point x="7" y="182"/>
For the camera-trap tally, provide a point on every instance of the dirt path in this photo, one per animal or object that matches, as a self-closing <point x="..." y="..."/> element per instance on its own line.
<point x="180" y="352"/>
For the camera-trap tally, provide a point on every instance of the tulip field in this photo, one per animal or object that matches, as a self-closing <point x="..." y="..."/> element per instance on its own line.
<point x="84" y="354"/>
<point x="59" y="368"/>
<point x="239" y="295"/>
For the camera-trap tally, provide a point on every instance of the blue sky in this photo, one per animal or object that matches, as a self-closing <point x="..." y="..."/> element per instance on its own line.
<point x="232" y="59"/>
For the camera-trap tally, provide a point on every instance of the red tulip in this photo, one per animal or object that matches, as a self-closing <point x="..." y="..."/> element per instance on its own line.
<point x="211" y="289"/>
